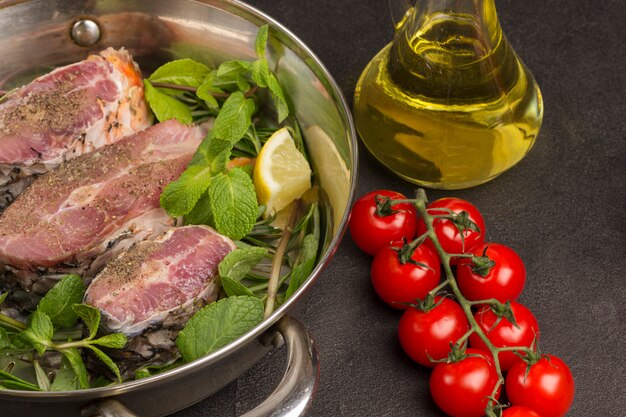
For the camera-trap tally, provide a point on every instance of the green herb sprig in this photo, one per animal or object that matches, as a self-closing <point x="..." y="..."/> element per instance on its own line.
<point x="59" y="309"/>
<point x="190" y="91"/>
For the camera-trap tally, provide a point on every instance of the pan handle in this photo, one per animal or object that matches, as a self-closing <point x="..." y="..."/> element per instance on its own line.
<point x="294" y="394"/>
<point x="113" y="408"/>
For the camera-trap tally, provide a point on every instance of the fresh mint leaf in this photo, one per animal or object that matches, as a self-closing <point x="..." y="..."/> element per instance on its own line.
<point x="180" y="196"/>
<point x="201" y="212"/>
<point x="40" y="330"/>
<point x="20" y="341"/>
<point x="304" y="265"/>
<point x="42" y="379"/>
<point x="261" y="41"/>
<point x="233" y="203"/>
<point x="231" y="74"/>
<point x="207" y="89"/>
<point x="107" y="361"/>
<point x="142" y="373"/>
<point x="261" y="72"/>
<point x="262" y="75"/>
<point x="232" y="287"/>
<point x="65" y="378"/>
<point x="90" y="316"/>
<point x="243" y="245"/>
<point x="156" y="369"/>
<point x="218" y="324"/>
<point x="238" y="263"/>
<point x="165" y="107"/>
<point x="78" y="366"/>
<point x="185" y="72"/>
<point x="278" y="97"/>
<point x="242" y="84"/>
<point x="213" y="152"/>
<point x="234" y="118"/>
<point x="231" y="70"/>
<point x="100" y="381"/>
<point x="57" y="303"/>
<point x="113" y="340"/>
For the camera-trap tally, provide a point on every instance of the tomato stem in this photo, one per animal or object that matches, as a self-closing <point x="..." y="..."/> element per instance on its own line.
<point x="438" y="288"/>
<point x="401" y="201"/>
<point x="463" y="338"/>
<point x="466" y="305"/>
<point x="462" y="255"/>
<point x="490" y="301"/>
<point x="524" y="349"/>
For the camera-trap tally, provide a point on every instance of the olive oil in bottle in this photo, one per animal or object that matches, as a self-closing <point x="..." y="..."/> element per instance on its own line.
<point x="448" y="104"/>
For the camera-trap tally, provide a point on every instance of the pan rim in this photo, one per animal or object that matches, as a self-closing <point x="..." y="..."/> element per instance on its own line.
<point x="257" y="17"/>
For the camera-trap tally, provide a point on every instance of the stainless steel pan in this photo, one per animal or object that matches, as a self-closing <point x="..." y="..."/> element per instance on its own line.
<point x="39" y="34"/>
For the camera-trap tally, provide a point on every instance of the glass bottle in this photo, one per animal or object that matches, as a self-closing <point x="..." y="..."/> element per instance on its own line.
<point x="448" y="104"/>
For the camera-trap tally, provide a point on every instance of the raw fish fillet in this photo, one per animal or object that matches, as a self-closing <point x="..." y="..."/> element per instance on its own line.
<point x="66" y="113"/>
<point x="77" y="217"/>
<point x="152" y="289"/>
<point x="156" y="281"/>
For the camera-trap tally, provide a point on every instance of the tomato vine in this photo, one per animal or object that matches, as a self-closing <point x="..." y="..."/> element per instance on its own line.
<point x="489" y="278"/>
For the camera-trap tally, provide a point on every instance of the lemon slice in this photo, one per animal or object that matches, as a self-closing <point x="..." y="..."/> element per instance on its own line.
<point x="331" y="170"/>
<point x="281" y="174"/>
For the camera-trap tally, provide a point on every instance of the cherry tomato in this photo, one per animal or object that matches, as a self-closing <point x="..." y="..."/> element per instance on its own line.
<point x="397" y="283"/>
<point x="451" y="239"/>
<point x="504" y="281"/>
<point x="517" y="411"/>
<point x="505" y="333"/>
<point x="547" y="388"/>
<point x="371" y="232"/>
<point x="461" y="389"/>
<point x="424" y="334"/>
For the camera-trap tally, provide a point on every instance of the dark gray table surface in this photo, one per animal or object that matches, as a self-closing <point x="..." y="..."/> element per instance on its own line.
<point x="563" y="208"/>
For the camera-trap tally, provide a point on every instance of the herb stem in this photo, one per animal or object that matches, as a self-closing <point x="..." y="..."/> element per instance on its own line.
<point x="258" y="287"/>
<point x="251" y="91"/>
<point x="270" y="248"/>
<point x="264" y="285"/>
<point x="11" y="323"/>
<point x="64" y="335"/>
<point x="272" y="288"/>
<point x="254" y="139"/>
<point x="194" y="90"/>
<point x="257" y="277"/>
<point x="69" y="345"/>
<point x="177" y="87"/>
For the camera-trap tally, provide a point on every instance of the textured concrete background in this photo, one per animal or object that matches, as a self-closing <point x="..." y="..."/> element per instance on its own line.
<point x="563" y="208"/>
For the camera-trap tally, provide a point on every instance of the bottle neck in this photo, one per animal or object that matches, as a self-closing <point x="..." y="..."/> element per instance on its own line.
<point x="446" y="47"/>
<point x="477" y="15"/>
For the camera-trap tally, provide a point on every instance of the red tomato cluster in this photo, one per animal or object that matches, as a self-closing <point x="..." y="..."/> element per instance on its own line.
<point x="406" y="274"/>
